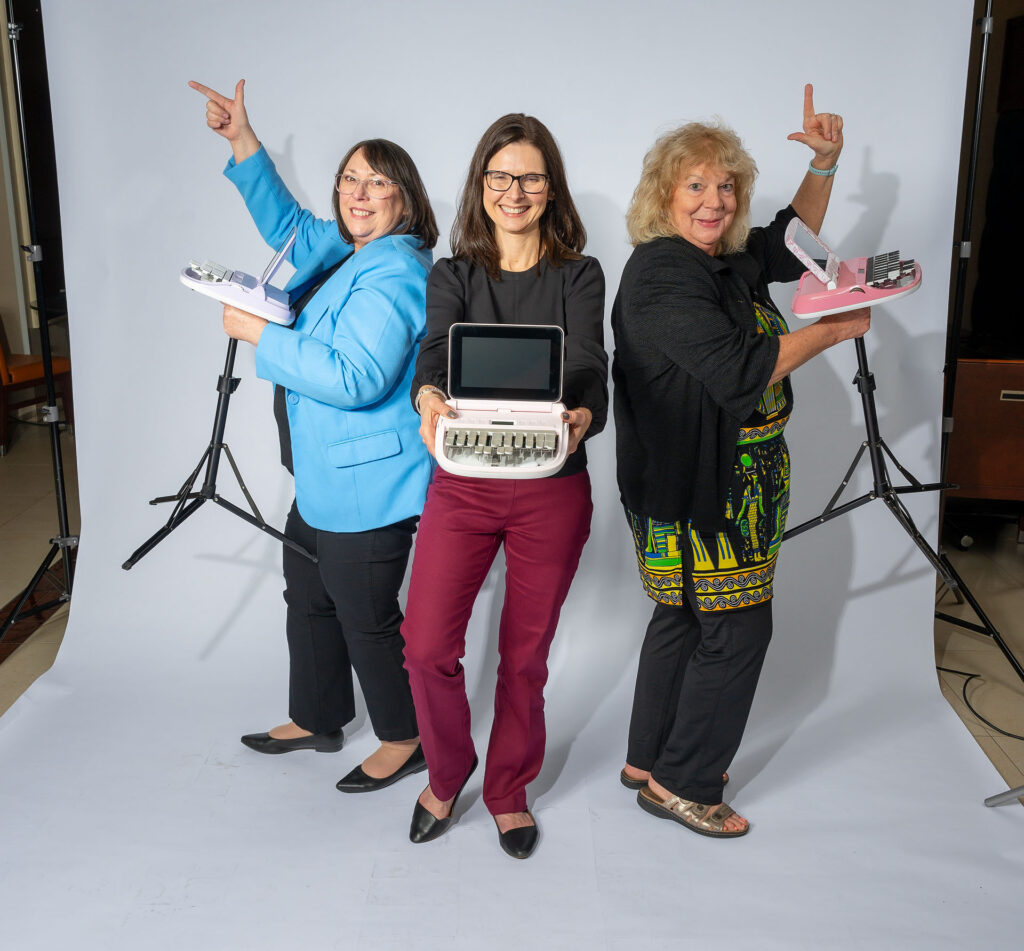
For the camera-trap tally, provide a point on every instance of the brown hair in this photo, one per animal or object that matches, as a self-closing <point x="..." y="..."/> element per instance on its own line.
<point x="562" y="234"/>
<point x="394" y="163"/>
<point x="675" y="153"/>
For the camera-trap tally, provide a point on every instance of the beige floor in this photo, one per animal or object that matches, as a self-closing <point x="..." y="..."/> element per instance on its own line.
<point x="993" y="567"/>
<point x="28" y="520"/>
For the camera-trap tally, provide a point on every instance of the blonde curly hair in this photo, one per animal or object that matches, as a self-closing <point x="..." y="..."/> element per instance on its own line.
<point x="671" y="157"/>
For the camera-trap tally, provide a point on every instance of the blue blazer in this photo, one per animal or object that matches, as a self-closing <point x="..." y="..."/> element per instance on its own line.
<point x="347" y="362"/>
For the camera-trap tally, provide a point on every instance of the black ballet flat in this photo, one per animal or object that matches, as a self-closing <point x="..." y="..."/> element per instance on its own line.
<point x="357" y="781"/>
<point x="425" y="826"/>
<point x="321" y="742"/>
<point x="520" y="843"/>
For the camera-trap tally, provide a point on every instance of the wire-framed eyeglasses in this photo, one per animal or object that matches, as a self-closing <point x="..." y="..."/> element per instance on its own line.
<point x="530" y="182"/>
<point x="374" y="187"/>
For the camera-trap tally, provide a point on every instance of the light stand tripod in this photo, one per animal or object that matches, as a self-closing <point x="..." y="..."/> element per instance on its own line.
<point x="186" y="501"/>
<point x="882" y="488"/>
<point x="64" y="541"/>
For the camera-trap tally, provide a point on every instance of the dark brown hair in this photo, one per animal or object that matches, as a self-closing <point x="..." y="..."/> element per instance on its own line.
<point x="562" y="234"/>
<point x="394" y="163"/>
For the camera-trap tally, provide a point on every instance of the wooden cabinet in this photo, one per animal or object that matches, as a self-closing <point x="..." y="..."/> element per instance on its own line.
<point x="986" y="447"/>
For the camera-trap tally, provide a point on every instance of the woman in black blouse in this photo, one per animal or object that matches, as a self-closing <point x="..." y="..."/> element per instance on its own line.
<point x="516" y="258"/>
<point x="702" y="396"/>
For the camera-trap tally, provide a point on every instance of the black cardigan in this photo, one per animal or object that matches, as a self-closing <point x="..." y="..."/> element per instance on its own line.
<point x="690" y="367"/>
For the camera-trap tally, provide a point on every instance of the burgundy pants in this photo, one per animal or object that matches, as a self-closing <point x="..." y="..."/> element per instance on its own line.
<point x="543" y="524"/>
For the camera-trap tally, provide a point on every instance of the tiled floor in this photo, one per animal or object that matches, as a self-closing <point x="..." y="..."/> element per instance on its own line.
<point x="993" y="568"/>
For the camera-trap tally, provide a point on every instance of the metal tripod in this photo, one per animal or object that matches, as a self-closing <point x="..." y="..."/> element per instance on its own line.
<point x="883" y="489"/>
<point x="64" y="541"/>
<point x="187" y="501"/>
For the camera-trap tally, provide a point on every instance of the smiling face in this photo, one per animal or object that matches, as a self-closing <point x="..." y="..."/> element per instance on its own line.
<point x="703" y="206"/>
<point x="515" y="212"/>
<point x="368" y="218"/>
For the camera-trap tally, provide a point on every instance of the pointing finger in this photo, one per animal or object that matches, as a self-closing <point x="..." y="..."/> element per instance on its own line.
<point x="211" y="94"/>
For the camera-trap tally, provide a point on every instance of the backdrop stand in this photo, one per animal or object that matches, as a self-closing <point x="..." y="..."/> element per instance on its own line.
<point x="64" y="540"/>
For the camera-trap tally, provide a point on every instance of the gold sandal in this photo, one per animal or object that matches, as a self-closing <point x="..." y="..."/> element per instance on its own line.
<point x="704" y="820"/>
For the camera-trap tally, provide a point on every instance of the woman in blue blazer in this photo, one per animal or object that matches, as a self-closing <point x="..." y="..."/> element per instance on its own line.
<point x="342" y="373"/>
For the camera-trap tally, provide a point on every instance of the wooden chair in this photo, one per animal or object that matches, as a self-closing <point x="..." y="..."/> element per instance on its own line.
<point x="23" y="371"/>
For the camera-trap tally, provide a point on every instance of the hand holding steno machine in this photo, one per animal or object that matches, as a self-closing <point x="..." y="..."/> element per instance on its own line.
<point x="840" y="286"/>
<point x="505" y="383"/>
<point x="242" y="290"/>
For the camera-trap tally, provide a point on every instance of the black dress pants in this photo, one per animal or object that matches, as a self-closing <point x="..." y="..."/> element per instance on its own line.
<point x="694" y="687"/>
<point x="343" y="613"/>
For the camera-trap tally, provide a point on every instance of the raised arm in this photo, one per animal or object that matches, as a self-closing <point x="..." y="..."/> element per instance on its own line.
<point x="228" y="118"/>
<point x="823" y="134"/>
<point x="272" y="206"/>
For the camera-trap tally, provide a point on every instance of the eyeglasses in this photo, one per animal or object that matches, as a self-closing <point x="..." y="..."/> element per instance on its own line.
<point x="531" y="182"/>
<point x="374" y="187"/>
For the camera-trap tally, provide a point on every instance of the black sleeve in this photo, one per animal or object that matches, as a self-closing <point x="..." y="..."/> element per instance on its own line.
<point x="586" y="363"/>
<point x="675" y="308"/>
<point x="768" y="246"/>
<point x="446" y="305"/>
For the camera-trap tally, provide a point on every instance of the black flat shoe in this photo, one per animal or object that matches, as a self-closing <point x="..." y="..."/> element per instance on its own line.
<point x="321" y="742"/>
<point x="358" y="781"/>
<point x="520" y="843"/>
<point x="426" y="826"/>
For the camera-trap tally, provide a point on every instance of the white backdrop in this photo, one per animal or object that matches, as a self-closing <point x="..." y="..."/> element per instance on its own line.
<point x="133" y="818"/>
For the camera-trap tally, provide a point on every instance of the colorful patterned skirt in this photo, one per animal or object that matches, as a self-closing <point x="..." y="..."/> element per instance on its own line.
<point x="734" y="567"/>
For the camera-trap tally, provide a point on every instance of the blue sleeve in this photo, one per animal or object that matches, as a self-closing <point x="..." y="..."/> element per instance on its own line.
<point x="273" y="208"/>
<point x="376" y="328"/>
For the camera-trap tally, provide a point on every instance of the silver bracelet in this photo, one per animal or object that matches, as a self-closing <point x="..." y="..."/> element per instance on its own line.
<point x="824" y="173"/>
<point x="427" y="389"/>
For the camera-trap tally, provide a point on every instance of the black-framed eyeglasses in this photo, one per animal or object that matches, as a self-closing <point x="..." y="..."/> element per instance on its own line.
<point x="530" y="182"/>
<point x="374" y="187"/>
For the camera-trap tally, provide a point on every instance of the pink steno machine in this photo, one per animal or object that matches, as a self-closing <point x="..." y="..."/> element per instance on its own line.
<point x="845" y="285"/>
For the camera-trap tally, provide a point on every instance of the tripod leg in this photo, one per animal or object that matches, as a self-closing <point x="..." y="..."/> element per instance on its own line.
<point x="846" y="480"/>
<point x="241" y="484"/>
<point x="172" y="523"/>
<point x="185" y="492"/>
<point x="1007" y="796"/>
<point x="988" y="628"/>
<point x="909" y="476"/>
<point x="263" y="526"/>
<point x="15" y="615"/>
<point x="903" y="517"/>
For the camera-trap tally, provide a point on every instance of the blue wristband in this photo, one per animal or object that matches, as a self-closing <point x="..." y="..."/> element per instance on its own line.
<point x="827" y="173"/>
